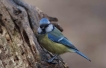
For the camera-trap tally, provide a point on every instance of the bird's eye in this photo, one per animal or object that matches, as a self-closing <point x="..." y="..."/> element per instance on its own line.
<point x="44" y="26"/>
<point x="41" y="26"/>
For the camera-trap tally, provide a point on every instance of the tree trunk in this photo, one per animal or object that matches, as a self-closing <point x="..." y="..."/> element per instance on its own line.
<point x="18" y="43"/>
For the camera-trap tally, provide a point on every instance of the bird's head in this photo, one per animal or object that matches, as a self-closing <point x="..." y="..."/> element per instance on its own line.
<point x="45" y="26"/>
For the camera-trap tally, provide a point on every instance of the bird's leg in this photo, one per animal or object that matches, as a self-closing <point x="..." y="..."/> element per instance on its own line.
<point x="51" y="60"/>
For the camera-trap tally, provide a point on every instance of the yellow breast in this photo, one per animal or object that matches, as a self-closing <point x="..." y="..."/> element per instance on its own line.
<point x="51" y="46"/>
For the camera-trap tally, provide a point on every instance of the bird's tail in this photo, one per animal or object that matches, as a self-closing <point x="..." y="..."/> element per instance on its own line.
<point x="81" y="54"/>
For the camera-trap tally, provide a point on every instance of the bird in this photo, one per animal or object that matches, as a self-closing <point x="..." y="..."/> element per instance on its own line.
<point x="54" y="41"/>
<point x="58" y="26"/>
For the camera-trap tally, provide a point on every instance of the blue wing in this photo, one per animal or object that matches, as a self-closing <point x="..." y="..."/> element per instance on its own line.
<point x="58" y="37"/>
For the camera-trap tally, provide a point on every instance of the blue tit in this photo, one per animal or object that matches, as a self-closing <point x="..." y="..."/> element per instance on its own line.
<point x="54" y="41"/>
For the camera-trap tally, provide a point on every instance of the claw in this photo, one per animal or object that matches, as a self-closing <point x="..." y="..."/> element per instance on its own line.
<point x="51" y="60"/>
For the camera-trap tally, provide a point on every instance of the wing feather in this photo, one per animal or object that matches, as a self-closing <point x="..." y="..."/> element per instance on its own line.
<point x="58" y="37"/>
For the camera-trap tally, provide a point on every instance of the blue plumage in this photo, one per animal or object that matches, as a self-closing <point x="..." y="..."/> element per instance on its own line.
<point x="44" y="21"/>
<point x="59" y="38"/>
<point x="56" y="36"/>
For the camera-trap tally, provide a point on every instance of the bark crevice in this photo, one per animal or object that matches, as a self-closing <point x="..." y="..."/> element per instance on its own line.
<point x="19" y="47"/>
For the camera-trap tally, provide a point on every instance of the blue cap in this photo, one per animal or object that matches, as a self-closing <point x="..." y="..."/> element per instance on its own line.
<point x="44" y="21"/>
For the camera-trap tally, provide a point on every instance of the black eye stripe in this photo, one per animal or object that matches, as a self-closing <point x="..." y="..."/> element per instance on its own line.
<point x="41" y="26"/>
<point x="44" y="25"/>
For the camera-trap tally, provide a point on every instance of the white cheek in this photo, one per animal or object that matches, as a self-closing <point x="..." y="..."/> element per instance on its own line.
<point x="39" y="30"/>
<point x="49" y="28"/>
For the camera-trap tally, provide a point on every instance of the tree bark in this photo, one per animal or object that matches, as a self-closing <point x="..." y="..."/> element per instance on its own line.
<point x="18" y="43"/>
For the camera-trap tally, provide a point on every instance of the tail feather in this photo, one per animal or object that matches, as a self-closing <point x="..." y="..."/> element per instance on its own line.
<point x="81" y="54"/>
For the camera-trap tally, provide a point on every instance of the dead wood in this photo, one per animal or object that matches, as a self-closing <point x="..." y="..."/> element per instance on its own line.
<point x="19" y="47"/>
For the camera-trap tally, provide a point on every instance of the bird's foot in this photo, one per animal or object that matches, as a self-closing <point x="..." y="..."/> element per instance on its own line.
<point x="52" y="60"/>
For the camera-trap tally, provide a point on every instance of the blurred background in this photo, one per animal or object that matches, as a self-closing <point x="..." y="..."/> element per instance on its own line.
<point x="84" y="23"/>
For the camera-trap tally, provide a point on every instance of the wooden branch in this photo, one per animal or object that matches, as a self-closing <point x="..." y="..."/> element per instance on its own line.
<point x="18" y="36"/>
